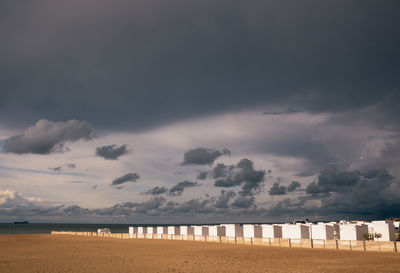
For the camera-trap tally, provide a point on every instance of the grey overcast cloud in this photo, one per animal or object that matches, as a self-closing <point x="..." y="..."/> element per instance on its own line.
<point x="176" y="111"/>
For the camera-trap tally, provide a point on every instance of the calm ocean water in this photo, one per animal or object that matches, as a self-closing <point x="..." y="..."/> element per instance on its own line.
<point x="47" y="228"/>
<point x="42" y="228"/>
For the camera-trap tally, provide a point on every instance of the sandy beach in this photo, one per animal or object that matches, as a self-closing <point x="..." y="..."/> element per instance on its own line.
<point x="60" y="253"/>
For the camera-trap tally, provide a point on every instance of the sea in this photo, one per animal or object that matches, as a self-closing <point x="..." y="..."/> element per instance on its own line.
<point x="46" y="228"/>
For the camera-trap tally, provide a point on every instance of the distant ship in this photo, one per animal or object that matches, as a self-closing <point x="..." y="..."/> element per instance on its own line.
<point x="23" y="222"/>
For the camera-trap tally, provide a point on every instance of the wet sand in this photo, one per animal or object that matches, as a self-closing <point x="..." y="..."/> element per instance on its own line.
<point x="62" y="253"/>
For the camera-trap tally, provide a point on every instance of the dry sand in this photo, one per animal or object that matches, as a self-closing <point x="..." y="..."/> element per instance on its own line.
<point x="63" y="253"/>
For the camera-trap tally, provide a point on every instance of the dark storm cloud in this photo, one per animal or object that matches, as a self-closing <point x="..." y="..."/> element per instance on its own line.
<point x="75" y="210"/>
<point x="221" y="170"/>
<point x="101" y="58"/>
<point x="203" y="156"/>
<point x="156" y="191"/>
<point x="152" y="204"/>
<point x="46" y="137"/>
<point x="197" y="206"/>
<point x="224" y="199"/>
<point x="242" y="174"/>
<point x="201" y="175"/>
<point x="129" y="177"/>
<point x="333" y="180"/>
<point x="180" y="187"/>
<point x="372" y="193"/>
<point x="293" y="186"/>
<point x="373" y="196"/>
<point x="292" y="207"/>
<point x="277" y="190"/>
<point x="244" y="202"/>
<point x="112" y="152"/>
<point x="149" y="207"/>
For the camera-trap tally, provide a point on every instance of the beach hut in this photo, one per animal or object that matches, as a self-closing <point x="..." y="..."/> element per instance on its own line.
<point x="197" y="230"/>
<point x="233" y="230"/>
<point x="183" y="230"/>
<point x="216" y="231"/>
<point x="173" y="230"/>
<point x="336" y="229"/>
<point x="131" y="232"/>
<point x="186" y="230"/>
<point x="322" y="231"/>
<point x="252" y="231"/>
<point x="386" y="229"/>
<point x="297" y="231"/>
<point x="205" y="230"/>
<point x="142" y="232"/>
<point x="150" y="231"/>
<point x="271" y="231"/>
<point x="353" y="231"/>
<point x="161" y="230"/>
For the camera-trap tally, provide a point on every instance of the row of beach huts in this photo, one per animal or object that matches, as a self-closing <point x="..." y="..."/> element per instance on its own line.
<point x="379" y="236"/>
<point x="342" y="230"/>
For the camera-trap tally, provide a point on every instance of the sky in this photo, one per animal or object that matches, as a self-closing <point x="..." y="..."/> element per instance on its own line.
<point x="199" y="112"/>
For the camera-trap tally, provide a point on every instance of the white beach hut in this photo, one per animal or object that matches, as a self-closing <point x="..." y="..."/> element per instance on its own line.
<point x="297" y="231"/>
<point x="150" y="232"/>
<point x="183" y="230"/>
<point x="386" y="229"/>
<point x="252" y="231"/>
<point x="215" y="232"/>
<point x="322" y="231"/>
<point x="161" y="230"/>
<point x="141" y="231"/>
<point x="173" y="230"/>
<point x="131" y="232"/>
<point x="271" y="231"/>
<point x="233" y="230"/>
<point x="353" y="232"/>
<point x="198" y="230"/>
